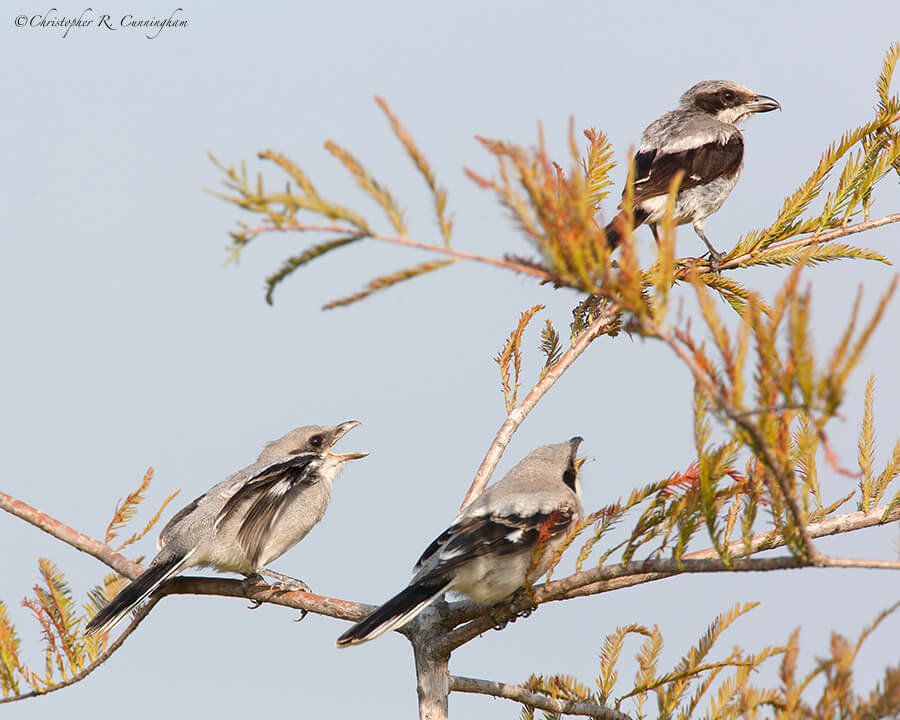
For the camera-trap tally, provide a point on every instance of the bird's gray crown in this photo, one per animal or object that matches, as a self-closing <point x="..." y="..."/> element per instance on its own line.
<point x="309" y="438"/>
<point x="714" y="95"/>
<point x="727" y="101"/>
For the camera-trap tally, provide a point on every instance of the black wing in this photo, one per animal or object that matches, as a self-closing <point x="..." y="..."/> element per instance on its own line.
<point x="654" y="170"/>
<point x="494" y="534"/>
<point x="265" y="494"/>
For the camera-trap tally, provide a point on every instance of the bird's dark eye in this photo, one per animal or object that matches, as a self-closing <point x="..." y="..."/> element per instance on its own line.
<point x="316" y="441"/>
<point x="569" y="476"/>
<point x="728" y="96"/>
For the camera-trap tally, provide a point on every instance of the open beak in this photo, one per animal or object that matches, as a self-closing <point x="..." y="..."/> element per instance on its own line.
<point x="764" y="103"/>
<point x="344" y="457"/>
<point x="342" y="430"/>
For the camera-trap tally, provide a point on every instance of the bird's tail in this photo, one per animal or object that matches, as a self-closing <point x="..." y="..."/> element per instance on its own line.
<point x="615" y="229"/>
<point x="397" y="611"/>
<point x="134" y="594"/>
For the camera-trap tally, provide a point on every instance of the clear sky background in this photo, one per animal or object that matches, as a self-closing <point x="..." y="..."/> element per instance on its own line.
<point x="127" y="344"/>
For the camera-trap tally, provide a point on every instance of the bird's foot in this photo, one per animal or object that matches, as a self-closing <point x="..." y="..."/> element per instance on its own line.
<point x="505" y="612"/>
<point x="497" y="612"/>
<point x="285" y="583"/>
<point x="248" y="584"/>
<point x="715" y="260"/>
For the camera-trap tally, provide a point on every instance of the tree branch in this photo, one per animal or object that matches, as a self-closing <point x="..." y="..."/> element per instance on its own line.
<point x="811" y="240"/>
<point x="615" y="577"/>
<point x="520" y="412"/>
<point x="562" y="589"/>
<point x="185" y="585"/>
<point x="79" y="541"/>
<point x="78" y="677"/>
<point x="296" y="599"/>
<point x="398" y="240"/>
<point x="535" y="700"/>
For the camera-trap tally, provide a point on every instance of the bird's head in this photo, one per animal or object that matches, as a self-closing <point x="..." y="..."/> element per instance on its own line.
<point x="317" y="439"/>
<point x="728" y="102"/>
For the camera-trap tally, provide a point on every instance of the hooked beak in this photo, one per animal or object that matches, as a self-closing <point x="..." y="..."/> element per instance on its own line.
<point x="575" y="442"/>
<point x="763" y="103"/>
<point x="342" y="430"/>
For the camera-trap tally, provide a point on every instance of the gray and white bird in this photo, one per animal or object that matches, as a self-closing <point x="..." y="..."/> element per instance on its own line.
<point x="246" y="521"/>
<point x="701" y="139"/>
<point x="487" y="552"/>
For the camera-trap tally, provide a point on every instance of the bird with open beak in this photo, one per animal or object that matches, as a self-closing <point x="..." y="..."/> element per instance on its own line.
<point x="246" y="521"/>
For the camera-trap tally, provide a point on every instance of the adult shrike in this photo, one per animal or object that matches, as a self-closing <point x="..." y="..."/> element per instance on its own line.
<point x="701" y="138"/>
<point x="489" y="549"/>
<point x="246" y="521"/>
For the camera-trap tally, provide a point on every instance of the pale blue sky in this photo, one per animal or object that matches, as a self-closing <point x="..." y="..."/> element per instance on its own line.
<point x="127" y="344"/>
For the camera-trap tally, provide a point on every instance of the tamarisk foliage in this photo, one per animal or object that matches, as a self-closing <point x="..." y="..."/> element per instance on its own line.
<point x="764" y="399"/>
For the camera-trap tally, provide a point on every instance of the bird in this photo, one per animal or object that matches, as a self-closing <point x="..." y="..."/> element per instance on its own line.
<point x="246" y="521"/>
<point x="701" y="139"/>
<point x="488" y="553"/>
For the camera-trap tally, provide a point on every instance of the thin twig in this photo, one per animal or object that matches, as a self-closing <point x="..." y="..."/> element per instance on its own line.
<point x="79" y="676"/>
<point x="560" y="589"/>
<point x="397" y="239"/>
<point x="811" y="240"/>
<point x="520" y="412"/>
<point x="533" y="699"/>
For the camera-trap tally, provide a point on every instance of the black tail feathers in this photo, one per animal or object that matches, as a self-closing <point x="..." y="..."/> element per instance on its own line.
<point x="615" y="229"/>
<point x="133" y="595"/>
<point x="397" y="611"/>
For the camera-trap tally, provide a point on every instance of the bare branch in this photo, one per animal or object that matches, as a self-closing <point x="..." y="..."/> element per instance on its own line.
<point x="297" y="599"/>
<point x="79" y="541"/>
<point x="182" y="585"/>
<point x="536" y="700"/>
<point x="520" y="412"/>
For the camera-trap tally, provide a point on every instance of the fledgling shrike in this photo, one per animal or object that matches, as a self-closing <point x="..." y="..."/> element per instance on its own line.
<point x="487" y="552"/>
<point x="701" y="138"/>
<point x="246" y="521"/>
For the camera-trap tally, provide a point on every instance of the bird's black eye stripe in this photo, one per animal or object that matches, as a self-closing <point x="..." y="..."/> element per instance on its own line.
<point x="569" y="476"/>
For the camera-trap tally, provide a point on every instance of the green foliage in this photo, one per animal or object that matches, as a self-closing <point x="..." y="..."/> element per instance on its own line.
<point x="510" y="358"/>
<point x="311" y="253"/>
<point x="386" y="281"/>
<point x="127" y="509"/>
<point x="550" y="346"/>
<point x="68" y="653"/>
<point x="700" y="687"/>
<point x="763" y="399"/>
<point x="301" y="207"/>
